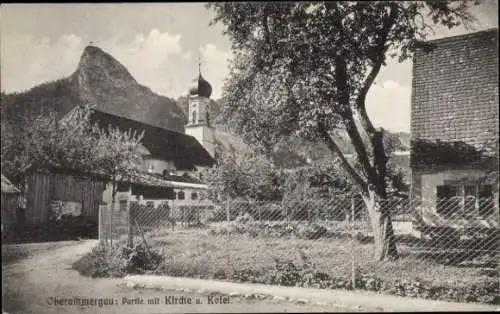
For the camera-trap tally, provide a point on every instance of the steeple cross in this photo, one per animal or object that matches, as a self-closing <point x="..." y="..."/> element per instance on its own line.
<point x="199" y="65"/>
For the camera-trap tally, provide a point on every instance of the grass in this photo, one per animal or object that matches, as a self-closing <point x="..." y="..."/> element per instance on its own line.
<point x="248" y="252"/>
<point x="198" y="253"/>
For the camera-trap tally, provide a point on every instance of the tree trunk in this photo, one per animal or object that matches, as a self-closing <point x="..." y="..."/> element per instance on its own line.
<point x="372" y="191"/>
<point x="383" y="233"/>
<point x="114" y="190"/>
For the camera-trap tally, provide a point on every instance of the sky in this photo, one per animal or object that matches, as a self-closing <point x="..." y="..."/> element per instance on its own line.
<point x="160" y="45"/>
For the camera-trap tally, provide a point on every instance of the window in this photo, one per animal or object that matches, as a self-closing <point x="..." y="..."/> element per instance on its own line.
<point x="123" y="187"/>
<point x="180" y="195"/>
<point x="194" y="196"/>
<point x="470" y="193"/>
<point x="486" y="202"/>
<point x="193" y="117"/>
<point x="123" y="205"/>
<point x="447" y="201"/>
<point x="466" y="200"/>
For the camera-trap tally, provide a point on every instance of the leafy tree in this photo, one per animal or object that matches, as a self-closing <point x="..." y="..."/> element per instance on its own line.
<point x="14" y="147"/>
<point x="306" y="68"/>
<point x="43" y="138"/>
<point x="117" y="154"/>
<point x="72" y="142"/>
<point x="240" y="175"/>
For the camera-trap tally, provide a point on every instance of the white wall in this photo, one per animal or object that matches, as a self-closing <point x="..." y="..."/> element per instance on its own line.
<point x="204" y="135"/>
<point x="430" y="181"/>
<point x="158" y="165"/>
<point x="107" y="195"/>
<point x="426" y="189"/>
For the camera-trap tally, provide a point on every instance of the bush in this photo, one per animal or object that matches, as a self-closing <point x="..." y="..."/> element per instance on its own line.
<point x="311" y="232"/>
<point x="118" y="261"/>
<point x="287" y="273"/>
<point x="99" y="263"/>
<point x="148" y="214"/>
<point x="244" y="219"/>
<point x="245" y="225"/>
<point x="270" y="211"/>
<point x="220" y="213"/>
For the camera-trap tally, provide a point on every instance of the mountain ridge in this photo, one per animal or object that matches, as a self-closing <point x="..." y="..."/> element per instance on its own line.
<point x="100" y="80"/>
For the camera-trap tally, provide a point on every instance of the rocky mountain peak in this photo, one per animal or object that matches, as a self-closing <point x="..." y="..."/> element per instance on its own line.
<point x="98" y="65"/>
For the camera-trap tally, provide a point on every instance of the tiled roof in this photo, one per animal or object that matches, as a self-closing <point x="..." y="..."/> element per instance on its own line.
<point x="455" y="90"/>
<point x="170" y="181"/>
<point x="137" y="177"/>
<point x="8" y="187"/>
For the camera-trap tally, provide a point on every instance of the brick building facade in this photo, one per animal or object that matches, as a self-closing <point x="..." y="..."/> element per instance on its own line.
<point x="454" y="126"/>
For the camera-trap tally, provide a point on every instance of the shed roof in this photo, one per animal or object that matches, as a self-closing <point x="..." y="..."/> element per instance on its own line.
<point x="170" y="181"/>
<point x="8" y="187"/>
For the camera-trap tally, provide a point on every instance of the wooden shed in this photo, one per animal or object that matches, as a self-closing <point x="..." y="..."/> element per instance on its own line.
<point x="54" y="191"/>
<point x="10" y="201"/>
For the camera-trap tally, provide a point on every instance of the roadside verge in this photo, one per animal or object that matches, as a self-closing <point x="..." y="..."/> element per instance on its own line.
<point x="342" y="298"/>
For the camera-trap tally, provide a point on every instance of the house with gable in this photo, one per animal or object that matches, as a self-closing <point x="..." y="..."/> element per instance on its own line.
<point x="454" y="130"/>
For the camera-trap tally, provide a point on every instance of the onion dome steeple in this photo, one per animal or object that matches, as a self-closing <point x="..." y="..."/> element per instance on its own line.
<point x="200" y="87"/>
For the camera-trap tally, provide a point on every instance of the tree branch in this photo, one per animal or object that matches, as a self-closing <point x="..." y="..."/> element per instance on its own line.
<point x="346" y="166"/>
<point x="378" y="59"/>
<point x="347" y="115"/>
<point x="380" y="160"/>
<point x="265" y="25"/>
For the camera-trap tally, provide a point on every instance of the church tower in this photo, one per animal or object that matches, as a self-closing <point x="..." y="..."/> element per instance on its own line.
<point x="199" y="124"/>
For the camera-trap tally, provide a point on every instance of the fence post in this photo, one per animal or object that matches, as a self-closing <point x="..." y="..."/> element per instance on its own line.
<point x="129" y="226"/>
<point x="172" y="214"/>
<point x="105" y="216"/>
<point x="286" y="212"/>
<point x="258" y="208"/>
<point x="110" y="211"/>
<point x="99" y="225"/>
<point x="228" y="236"/>
<point x="353" y="208"/>
<point x="353" y="265"/>
<point x="103" y="226"/>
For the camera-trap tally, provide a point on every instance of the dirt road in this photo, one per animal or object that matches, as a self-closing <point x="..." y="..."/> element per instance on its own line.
<point x="46" y="283"/>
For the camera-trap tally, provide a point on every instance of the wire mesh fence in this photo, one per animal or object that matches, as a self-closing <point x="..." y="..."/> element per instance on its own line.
<point x="445" y="240"/>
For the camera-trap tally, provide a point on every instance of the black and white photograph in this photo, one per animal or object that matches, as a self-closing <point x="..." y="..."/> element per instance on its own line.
<point x="246" y="157"/>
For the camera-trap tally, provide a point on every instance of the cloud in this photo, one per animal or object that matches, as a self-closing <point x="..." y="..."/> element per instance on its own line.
<point x="187" y="55"/>
<point x="156" y="59"/>
<point x="215" y="66"/>
<point x="148" y="57"/>
<point x="28" y="61"/>
<point x="388" y="105"/>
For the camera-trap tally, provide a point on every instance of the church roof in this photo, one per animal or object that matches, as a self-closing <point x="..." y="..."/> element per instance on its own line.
<point x="184" y="150"/>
